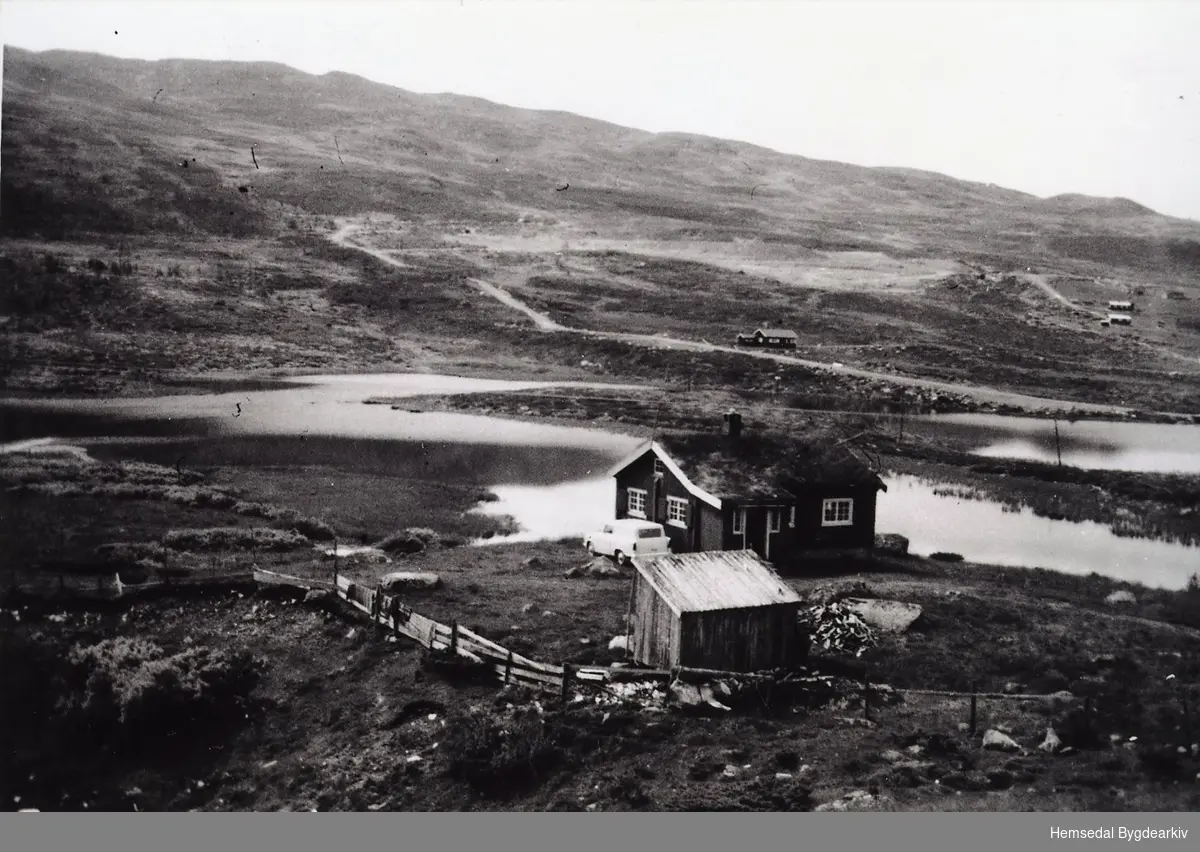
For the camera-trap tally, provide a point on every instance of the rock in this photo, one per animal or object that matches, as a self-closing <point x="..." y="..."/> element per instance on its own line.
<point x="782" y="776"/>
<point x="577" y="571"/>
<point x="316" y="596"/>
<point x="398" y="581"/>
<point x="889" y="616"/>
<point x="352" y="634"/>
<point x="1012" y="688"/>
<point x="1121" y="597"/>
<point x="892" y="756"/>
<point x="997" y="741"/>
<point x="916" y="750"/>
<point x="618" y="643"/>
<point x="1051" y="744"/>
<point x="891" y="543"/>
<point x="585" y="641"/>
<point x="706" y="694"/>
<point x="685" y="694"/>
<point x="730" y="771"/>
<point x="532" y="562"/>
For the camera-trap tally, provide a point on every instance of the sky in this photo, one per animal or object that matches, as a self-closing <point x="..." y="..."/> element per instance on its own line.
<point x="1100" y="97"/>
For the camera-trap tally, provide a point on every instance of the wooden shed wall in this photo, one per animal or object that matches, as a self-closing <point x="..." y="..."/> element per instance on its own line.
<point x="740" y="640"/>
<point x="654" y="639"/>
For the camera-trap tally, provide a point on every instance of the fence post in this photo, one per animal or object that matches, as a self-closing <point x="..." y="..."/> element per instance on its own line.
<point x="974" y="705"/>
<point x="568" y="675"/>
<point x="454" y="637"/>
<point x="508" y="667"/>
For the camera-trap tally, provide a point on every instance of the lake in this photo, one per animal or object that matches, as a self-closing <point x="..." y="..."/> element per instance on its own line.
<point x="552" y="479"/>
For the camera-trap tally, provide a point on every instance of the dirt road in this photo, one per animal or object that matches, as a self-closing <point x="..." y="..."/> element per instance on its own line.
<point x="343" y="236"/>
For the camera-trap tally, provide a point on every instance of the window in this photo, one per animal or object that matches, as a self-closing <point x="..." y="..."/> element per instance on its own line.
<point x="658" y="467"/>
<point x="773" y="520"/>
<point x="637" y="502"/>
<point x="739" y="521"/>
<point x="837" y="513"/>
<point x="676" y="512"/>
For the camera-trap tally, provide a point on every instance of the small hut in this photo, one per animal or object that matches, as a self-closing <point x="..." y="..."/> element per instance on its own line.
<point x="725" y="610"/>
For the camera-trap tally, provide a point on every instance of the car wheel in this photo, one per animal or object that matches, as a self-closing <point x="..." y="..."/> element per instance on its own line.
<point x="620" y="558"/>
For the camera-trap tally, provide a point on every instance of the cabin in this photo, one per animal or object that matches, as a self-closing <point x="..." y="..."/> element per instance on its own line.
<point x="724" y="610"/>
<point x="778" y="338"/>
<point x="724" y="490"/>
<point x="1120" y="319"/>
<point x="1121" y="307"/>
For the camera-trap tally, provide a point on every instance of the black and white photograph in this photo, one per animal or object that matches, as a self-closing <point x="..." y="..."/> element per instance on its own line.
<point x="576" y="406"/>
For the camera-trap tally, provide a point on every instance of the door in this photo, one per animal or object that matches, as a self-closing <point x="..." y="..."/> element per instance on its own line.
<point x="756" y="531"/>
<point x="660" y="501"/>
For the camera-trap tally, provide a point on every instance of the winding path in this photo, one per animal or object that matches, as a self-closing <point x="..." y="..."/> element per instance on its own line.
<point x="344" y="237"/>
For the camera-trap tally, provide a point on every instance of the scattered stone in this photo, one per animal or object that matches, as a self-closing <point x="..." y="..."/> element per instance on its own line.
<point x="401" y="581"/>
<point x="593" y="806"/>
<point x="730" y="771"/>
<point x="892" y="756"/>
<point x="1051" y="744"/>
<point x="352" y="634"/>
<point x="528" y="608"/>
<point x="782" y="776"/>
<point x="618" y="643"/>
<point x="572" y="573"/>
<point x="1121" y="597"/>
<point x="916" y="750"/>
<point x="585" y="641"/>
<point x="316" y="596"/>
<point x="1012" y="688"/>
<point x="998" y="741"/>
<point x="547" y="613"/>
<point x="532" y="562"/>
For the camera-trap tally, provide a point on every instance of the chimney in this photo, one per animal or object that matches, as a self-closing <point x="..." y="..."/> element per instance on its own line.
<point x="733" y="424"/>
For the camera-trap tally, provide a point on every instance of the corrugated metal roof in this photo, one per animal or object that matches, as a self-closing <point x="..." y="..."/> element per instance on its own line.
<point x="715" y="580"/>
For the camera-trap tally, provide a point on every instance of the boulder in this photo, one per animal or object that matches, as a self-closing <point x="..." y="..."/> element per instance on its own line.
<point x="1120" y="597"/>
<point x="405" y="581"/>
<point x="892" y="544"/>
<point x="888" y="616"/>
<point x="317" y="596"/>
<point x="998" y="741"/>
<point x="1051" y="744"/>
<point x="618" y="643"/>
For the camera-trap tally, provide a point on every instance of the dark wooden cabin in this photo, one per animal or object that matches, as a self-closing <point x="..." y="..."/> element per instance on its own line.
<point x="727" y="611"/>
<point x="763" y="492"/>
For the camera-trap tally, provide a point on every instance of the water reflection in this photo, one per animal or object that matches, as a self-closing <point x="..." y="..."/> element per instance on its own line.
<point x="984" y="531"/>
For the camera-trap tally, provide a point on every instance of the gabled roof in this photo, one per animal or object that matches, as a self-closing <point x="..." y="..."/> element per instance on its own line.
<point x="755" y="466"/>
<point x="661" y="453"/>
<point x="775" y="332"/>
<point x="714" y="580"/>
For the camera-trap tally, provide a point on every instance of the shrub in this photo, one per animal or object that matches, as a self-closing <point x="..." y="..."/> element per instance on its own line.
<point x="492" y="757"/>
<point x="412" y="540"/>
<point x="235" y="538"/>
<point x="132" y="685"/>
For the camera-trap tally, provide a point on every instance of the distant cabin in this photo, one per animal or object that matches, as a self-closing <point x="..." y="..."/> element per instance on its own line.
<point x="1124" y="307"/>
<point x="1120" y="319"/>
<point x="764" y="492"/>
<point x="725" y="610"/>
<point x="778" y="338"/>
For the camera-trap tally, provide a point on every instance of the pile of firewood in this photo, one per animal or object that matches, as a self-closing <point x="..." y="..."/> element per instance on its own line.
<point x="836" y="627"/>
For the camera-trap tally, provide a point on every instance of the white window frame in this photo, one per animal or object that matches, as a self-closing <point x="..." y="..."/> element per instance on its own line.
<point x="635" y="496"/>
<point x="739" y="522"/>
<point x="659" y="467"/>
<point x="792" y="518"/>
<point x="677" y="504"/>
<point x="774" y="520"/>
<point x="833" y="506"/>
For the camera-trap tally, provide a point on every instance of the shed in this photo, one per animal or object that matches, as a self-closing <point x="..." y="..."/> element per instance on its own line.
<point x="725" y="610"/>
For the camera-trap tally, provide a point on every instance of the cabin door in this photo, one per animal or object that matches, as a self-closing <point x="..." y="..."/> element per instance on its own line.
<point x="756" y="531"/>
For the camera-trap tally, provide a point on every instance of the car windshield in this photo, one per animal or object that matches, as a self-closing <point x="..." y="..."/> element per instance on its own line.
<point x="649" y="532"/>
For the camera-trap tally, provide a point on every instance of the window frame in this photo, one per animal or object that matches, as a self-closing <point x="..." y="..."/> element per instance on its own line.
<point x="642" y="496"/>
<point x="682" y="504"/>
<point x="738" y="522"/>
<point x="834" y="504"/>
<point x="774" y="520"/>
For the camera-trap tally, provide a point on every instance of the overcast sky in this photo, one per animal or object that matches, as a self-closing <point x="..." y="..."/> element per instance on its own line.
<point x="1047" y="96"/>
